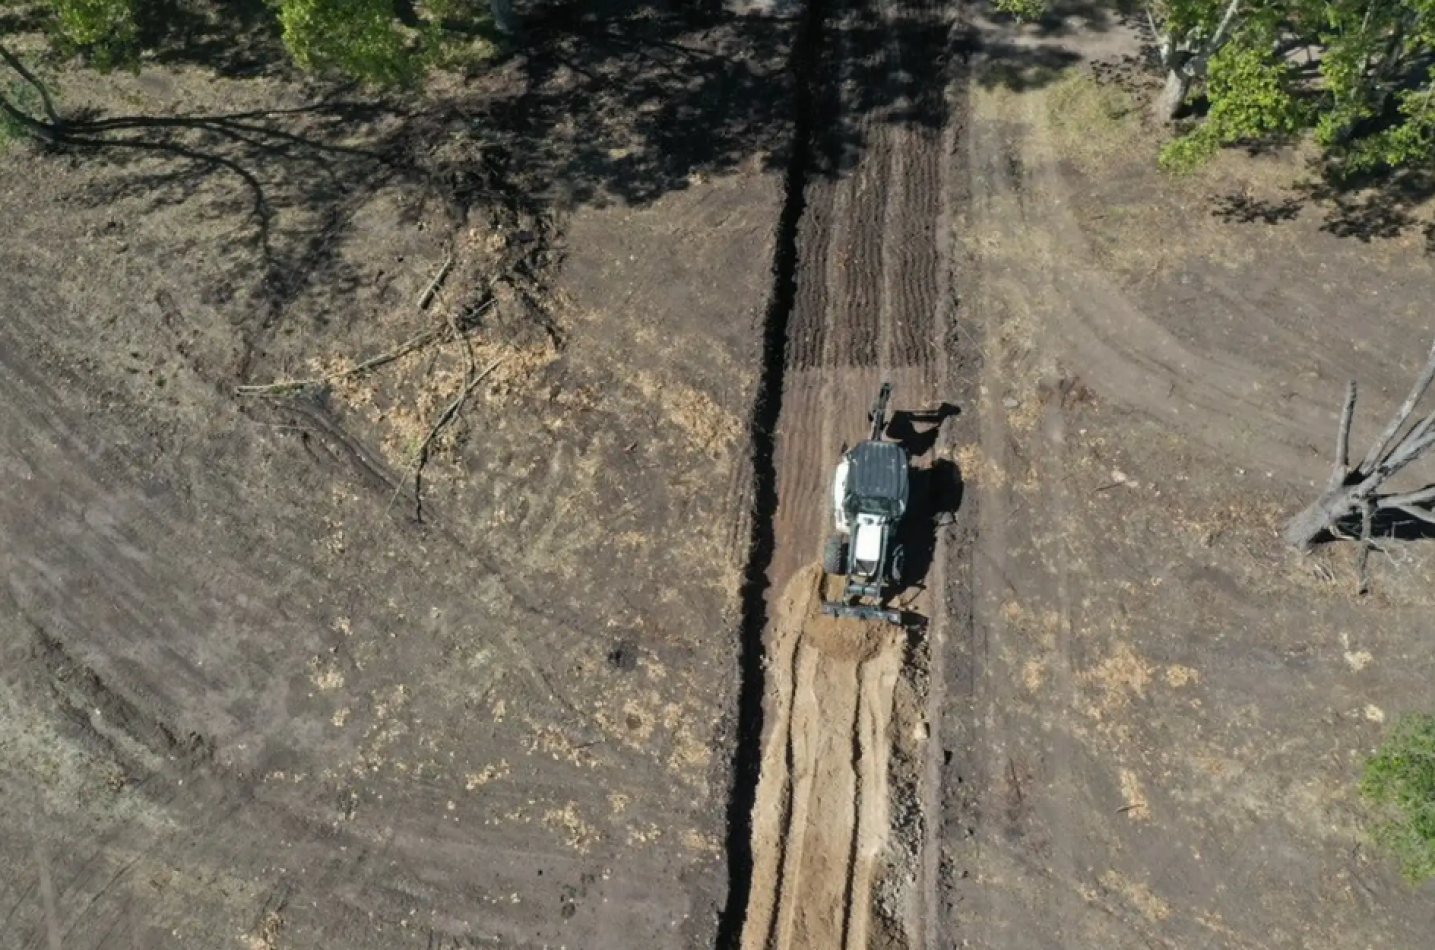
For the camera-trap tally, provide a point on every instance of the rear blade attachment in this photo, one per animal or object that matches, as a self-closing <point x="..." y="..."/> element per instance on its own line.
<point x="862" y="612"/>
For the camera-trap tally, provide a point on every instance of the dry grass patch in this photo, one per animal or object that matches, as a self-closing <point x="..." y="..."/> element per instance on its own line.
<point x="1095" y="125"/>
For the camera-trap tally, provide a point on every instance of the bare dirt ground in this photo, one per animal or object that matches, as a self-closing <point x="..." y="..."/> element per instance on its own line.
<point x="257" y="690"/>
<point x="284" y="672"/>
<point x="1157" y="723"/>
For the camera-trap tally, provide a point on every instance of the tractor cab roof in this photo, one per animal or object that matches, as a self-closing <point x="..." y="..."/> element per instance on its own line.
<point x="877" y="479"/>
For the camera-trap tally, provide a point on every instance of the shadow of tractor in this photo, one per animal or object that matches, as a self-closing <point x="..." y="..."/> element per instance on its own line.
<point x="936" y="488"/>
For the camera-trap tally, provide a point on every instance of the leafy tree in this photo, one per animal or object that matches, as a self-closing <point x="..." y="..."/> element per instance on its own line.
<point x="1375" y="69"/>
<point x="105" y="29"/>
<point x="362" y="38"/>
<point x="384" y="42"/>
<point x="1023" y="10"/>
<point x="1251" y="97"/>
<point x="1369" y="99"/>
<point x="1399" y="786"/>
<point x="1189" y="33"/>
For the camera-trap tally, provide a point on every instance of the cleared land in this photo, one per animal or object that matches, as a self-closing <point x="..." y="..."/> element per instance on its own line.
<point x="285" y="672"/>
<point x="1161" y="712"/>
<point x="253" y="691"/>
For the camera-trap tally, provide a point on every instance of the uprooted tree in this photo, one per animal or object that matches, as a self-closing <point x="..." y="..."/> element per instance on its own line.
<point x="1355" y="493"/>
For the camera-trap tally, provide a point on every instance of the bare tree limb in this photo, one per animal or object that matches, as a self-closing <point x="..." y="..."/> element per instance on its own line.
<point x="421" y="455"/>
<point x="1357" y="490"/>
<point x="427" y="296"/>
<point x="1382" y="445"/>
<point x="1341" y="471"/>
<point x="1405" y="453"/>
<point x="1420" y="430"/>
<point x="452" y="409"/>
<point x="1223" y="29"/>
<point x="403" y="349"/>
<point x="1423" y="496"/>
<point x="1367" y="521"/>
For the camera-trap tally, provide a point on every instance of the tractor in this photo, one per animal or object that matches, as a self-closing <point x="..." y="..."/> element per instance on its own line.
<point x="869" y="500"/>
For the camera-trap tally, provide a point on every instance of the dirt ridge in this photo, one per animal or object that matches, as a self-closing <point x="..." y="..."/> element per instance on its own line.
<point x="822" y="816"/>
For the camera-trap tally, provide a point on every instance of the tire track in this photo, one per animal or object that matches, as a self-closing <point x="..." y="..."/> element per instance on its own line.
<point x="857" y="319"/>
<point x="1222" y="399"/>
<point x="817" y="156"/>
<point x="917" y="168"/>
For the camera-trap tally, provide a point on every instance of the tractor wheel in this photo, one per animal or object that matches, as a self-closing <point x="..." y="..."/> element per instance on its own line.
<point x="897" y="570"/>
<point x="834" y="555"/>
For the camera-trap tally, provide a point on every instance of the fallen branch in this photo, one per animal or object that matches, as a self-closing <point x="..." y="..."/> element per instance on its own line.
<point x="285" y="386"/>
<point x="421" y="455"/>
<point x="427" y="296"/>
<point x="452" y="409"/>
<point x="1352" y="492"/>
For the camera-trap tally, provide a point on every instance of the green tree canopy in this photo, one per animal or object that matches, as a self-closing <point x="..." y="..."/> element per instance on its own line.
<point x="1355" y="74"/>
<point x="385" y="42"/>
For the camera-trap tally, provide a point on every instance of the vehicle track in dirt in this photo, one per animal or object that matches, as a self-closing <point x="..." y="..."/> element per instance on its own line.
<point x="1223" y="399"/>
<point x="868" y="303"/>
<point x="832" y="702"/>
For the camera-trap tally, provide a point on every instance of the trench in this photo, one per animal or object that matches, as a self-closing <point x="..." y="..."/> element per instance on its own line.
<point x="762" y="434"/>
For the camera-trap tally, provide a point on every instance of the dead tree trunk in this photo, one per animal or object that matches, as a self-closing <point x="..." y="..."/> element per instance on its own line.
<point x="1356" y="491"/>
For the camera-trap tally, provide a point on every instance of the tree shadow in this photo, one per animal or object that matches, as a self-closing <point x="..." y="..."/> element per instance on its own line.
<point x="1025" y="56"/>
<point x="1022" y="68"/>
<point x="1387" y="525"/>
<point x="1064" y="19"/>
<point x="235" y="38"/>
<point x="24" y="19"/>
<point x="285" y="177"/>
<point x="935" y="490"/>
<point x="1370" y="207"/>
<point x="617" y="101"/>
<point x="1367" y="207"/>
<point x="1243" y="208"/>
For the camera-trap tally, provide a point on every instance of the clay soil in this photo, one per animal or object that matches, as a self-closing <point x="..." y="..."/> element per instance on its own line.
<point x="822" y="811"/>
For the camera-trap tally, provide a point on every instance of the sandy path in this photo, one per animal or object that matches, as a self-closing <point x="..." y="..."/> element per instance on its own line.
<point x="821" y="815"/>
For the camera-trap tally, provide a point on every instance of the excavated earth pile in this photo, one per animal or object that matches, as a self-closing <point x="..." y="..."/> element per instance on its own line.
<point x="821" y="817"/>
